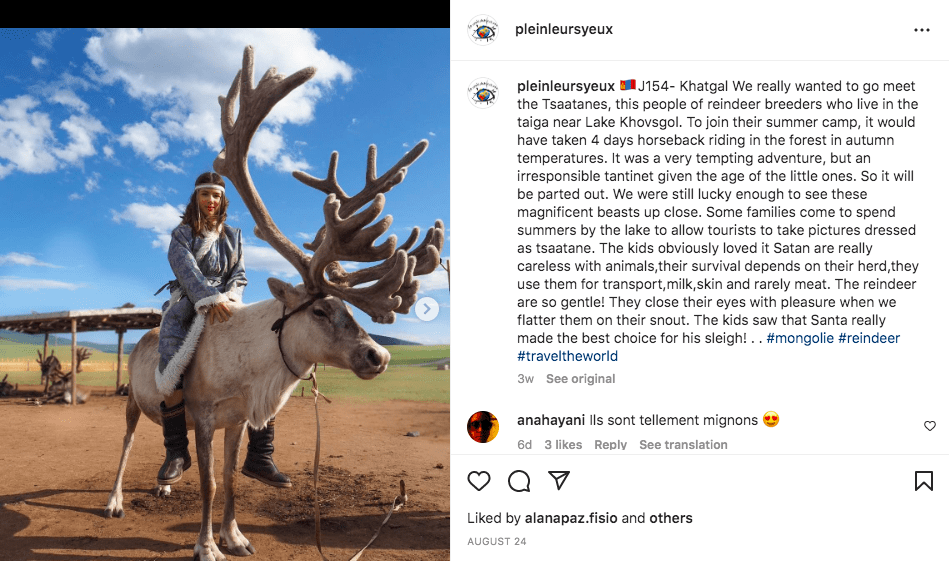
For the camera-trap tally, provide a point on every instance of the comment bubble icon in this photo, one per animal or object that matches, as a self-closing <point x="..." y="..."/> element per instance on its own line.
<point x="519" y="481"/>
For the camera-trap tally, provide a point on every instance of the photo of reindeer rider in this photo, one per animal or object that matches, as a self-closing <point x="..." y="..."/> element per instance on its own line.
<point x="290" y="188"/>
<point x="206" y="257"/>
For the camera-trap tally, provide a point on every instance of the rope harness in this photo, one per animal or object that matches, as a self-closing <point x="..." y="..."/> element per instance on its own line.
<point x="278" y="328"/>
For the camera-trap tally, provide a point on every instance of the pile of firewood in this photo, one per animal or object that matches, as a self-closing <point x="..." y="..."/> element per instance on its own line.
<point x="58" y="384"/>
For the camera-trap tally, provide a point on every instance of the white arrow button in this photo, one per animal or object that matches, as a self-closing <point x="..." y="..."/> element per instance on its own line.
<point x="426" y="309"/>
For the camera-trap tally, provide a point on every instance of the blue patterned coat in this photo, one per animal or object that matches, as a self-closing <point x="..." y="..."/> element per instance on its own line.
<point x="208" y="269"/>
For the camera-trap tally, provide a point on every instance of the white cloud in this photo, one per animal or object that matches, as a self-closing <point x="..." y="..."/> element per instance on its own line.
<point x="161" y="219"/>
<point x="25" y="137"/>
<point x="267" y="259"/>
<point x="436" y="280"/>
<point x="204" y="65"/>
<point x="430" y="133"/>
<point x="82" y="130"/>
<point x="108" y="151"/>
<point x="15" y="258"/>
<point x="306" y="236"/>
<point x="286" y="164"/>
<point x="73" y="82"/>
<point x="92" y="182"/>
<point x="165" y="166"/>
<point x="46" y="38"/>
<point x="69" y="99"/>
<point x="142" y="190"/>
<point x="14" y="283"/>
<point x="266" y="145"/>
<point x="144" y="140"/>
<point x="38" y="62"/>
<point x="162" y="241"/>
<point x="75" y="197"/>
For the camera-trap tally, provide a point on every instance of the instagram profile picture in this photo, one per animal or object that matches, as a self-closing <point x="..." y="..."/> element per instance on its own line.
<point x="482" y="29"/>
<point x="483" y="426"/>
<point x="482" y="93"/>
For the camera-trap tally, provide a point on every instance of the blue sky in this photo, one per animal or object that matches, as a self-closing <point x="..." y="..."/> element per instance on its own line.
<point x="102" y="133"/>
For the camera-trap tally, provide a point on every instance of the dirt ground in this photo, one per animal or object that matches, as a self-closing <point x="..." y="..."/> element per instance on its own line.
<point x="58" y="465"/>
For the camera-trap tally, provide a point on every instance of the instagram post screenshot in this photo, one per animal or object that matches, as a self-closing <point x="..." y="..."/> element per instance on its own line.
<point x="224" y="294"/>
<point x="699" y="250"/>
<point x="698" y="261"/>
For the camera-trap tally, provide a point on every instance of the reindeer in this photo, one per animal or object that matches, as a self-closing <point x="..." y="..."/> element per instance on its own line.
<point x="48" y="367"/>
<point x="241" y="373"/>
<point x="58" y="384"/>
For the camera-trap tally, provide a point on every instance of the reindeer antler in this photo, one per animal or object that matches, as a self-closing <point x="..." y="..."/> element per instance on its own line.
<point x="346" y="236"/>
<point x="396" y="272"/>
<point x="256" y="103"/>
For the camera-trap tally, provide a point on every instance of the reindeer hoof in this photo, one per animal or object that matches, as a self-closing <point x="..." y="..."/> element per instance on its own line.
<point x="116" y="513"/>
<point x="241" y="545"/>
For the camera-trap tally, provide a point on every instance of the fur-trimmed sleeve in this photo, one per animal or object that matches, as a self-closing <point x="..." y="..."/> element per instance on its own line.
<point x="193" y="282"/>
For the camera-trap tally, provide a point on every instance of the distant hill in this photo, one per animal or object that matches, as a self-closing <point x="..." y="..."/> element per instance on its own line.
<point x="114" y="347"/>
<point x="387" y="341"/>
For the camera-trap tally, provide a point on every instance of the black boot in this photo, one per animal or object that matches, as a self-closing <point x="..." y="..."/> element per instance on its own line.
<point x="259" y="463"/>
<point x="177" y="459"/>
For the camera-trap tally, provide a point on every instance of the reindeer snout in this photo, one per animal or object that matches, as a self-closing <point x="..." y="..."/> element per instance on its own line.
<point x="374" y="361"/>
<point x="374" y="358"/>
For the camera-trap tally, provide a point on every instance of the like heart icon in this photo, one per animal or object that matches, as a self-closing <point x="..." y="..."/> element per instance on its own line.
<point x="930" y="425"/>
<point x="479" y="479"/>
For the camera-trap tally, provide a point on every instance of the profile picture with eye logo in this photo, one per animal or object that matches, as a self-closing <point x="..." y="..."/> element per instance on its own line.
<point x="483" y="426"/>
<point x="483" y="93"/>
<point x="483" y="29"/>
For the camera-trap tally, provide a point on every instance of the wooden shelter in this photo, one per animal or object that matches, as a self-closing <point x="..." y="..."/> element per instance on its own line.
<point x="119" y="320"/>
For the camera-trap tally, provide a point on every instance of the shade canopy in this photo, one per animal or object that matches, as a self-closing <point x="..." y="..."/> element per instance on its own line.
<point x="111" y="319"/>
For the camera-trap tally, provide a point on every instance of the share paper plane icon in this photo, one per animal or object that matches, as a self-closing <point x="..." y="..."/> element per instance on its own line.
<point x="559" y="477"/>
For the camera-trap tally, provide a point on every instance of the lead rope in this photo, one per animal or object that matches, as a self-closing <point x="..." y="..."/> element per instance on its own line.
<point x="397" y="503"/>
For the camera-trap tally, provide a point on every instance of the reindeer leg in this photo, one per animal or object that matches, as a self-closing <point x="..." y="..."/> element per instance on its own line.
<point x="132" y="414"/>
<point x="205" y="549"/>
<point x="230" y="534"/>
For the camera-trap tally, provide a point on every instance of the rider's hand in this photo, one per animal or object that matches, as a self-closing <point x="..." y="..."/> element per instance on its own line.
<point x="219" y="312"/>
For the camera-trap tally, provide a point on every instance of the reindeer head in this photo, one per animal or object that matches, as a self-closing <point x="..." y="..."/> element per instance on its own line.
<point x="49" y="366"/>
<point x="346" y="235"/>
<point x="327" y="332"/>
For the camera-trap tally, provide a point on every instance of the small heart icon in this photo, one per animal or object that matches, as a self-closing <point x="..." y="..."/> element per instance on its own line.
<point x="930" y="425"/>
<point x="479" y="479"/>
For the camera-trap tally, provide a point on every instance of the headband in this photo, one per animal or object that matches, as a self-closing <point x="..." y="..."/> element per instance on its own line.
<point x="209" y="186"/>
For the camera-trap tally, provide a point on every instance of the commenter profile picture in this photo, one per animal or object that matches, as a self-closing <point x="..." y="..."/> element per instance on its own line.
<point x="483" y="426"/>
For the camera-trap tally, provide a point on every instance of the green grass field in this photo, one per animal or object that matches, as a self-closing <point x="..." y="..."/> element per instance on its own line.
<point x="403" y="379"/>
<point x="21" y="351"/>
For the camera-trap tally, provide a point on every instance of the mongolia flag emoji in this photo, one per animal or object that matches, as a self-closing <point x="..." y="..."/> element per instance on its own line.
<point x="627" y="85"/>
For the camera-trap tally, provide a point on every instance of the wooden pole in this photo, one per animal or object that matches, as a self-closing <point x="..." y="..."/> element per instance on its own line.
<point x="118" y="371"/>
<point x="45" y="348"/>
<point x="74" y="369"/>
